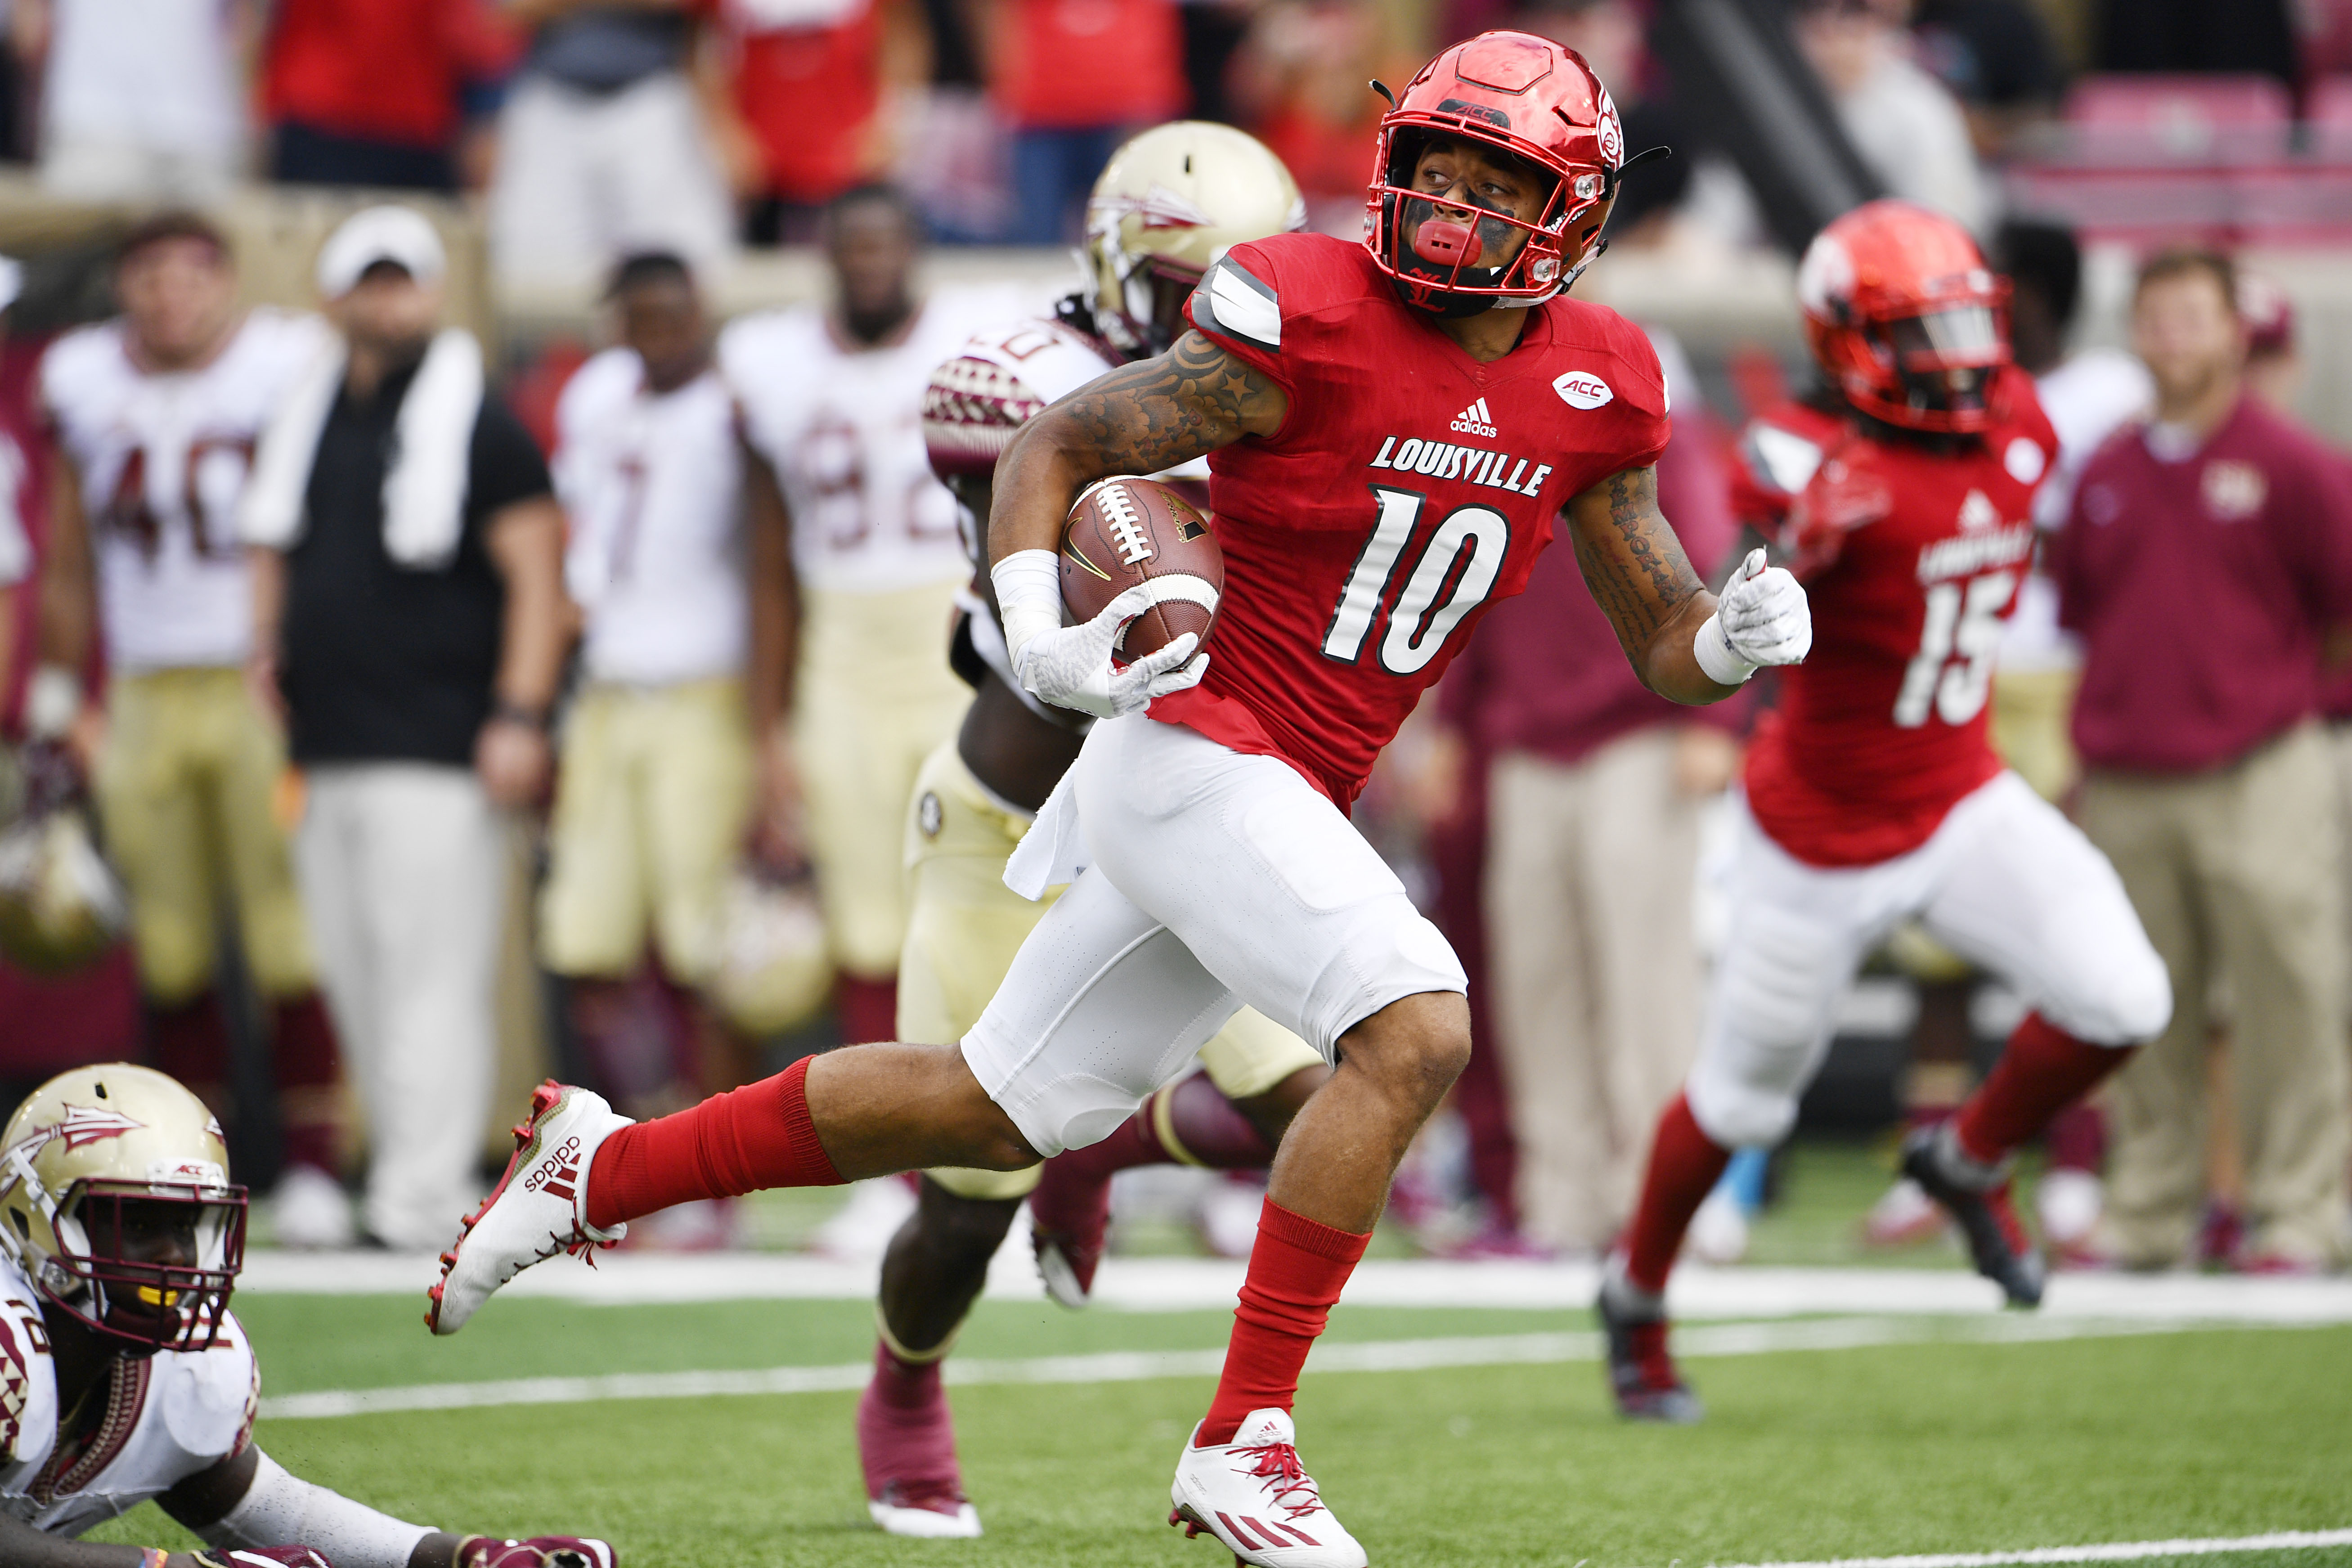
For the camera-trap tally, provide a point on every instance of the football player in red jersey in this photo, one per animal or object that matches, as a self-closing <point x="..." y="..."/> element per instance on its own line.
<point x="1392" y="429"/>
<point x="1872" y="795"/>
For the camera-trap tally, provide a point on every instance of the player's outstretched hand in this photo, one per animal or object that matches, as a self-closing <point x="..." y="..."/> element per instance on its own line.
<point x="535" y="1551"/>
<point x="1070" y="666"/>
<point x="1761" y="617"/>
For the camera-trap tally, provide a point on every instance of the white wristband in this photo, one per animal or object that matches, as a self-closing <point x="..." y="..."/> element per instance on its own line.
<point x="1713" y="651"/>
<point x="52" y="702"/>
<point x="1028" y="596"/>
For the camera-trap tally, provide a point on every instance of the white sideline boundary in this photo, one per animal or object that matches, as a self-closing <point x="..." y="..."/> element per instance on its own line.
<point x="1133" y="1366"/>
<point x="1186" y="1284"/>
<point x="2112" y="1552"/>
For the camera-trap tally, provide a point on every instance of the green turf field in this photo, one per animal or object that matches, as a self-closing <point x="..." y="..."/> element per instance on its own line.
<point x="1909" y="1449"/>
<point x="1895" y="1449"/>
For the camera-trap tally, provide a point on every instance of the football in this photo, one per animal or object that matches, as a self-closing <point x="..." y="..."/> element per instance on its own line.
<point x="1125" y="533"/>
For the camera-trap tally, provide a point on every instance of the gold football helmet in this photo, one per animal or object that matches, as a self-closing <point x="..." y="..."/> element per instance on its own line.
<point x="115" y="1202"/>
<point x="1169" y="205"/>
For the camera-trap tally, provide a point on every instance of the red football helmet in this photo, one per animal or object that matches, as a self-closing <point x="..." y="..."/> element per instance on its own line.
<point x="1528" y="97"/>
<point x="1905" y="316"/>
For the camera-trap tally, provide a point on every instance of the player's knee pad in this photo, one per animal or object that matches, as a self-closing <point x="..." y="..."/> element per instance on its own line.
<point x="1737" y="1111"/>
<point x="2127" y="1002"/>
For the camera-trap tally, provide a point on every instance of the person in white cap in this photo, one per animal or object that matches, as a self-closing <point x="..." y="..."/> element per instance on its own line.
<point x="409" y="612"/>
<point x="152" y="419"/>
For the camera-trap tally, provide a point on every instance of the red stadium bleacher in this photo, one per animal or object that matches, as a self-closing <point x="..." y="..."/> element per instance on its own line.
<point x="2113" y="120"/>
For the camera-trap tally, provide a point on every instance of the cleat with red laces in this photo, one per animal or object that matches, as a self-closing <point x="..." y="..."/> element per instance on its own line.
<point x="1643" y="1377"/>
<point x="1259" y="1502"/>
<point x="1977" y="1197"/>
<point x="539" y="1208"/>
<point x="1069" y="1214"/>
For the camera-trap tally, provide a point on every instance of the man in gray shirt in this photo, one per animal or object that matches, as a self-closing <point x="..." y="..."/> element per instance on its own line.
<point x="604" y="148"/>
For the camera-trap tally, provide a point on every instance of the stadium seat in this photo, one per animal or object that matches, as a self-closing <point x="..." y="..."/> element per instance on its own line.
<point x="2179" y="119"/>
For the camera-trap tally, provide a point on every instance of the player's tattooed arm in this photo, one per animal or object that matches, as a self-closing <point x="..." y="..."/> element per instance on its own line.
<point x="1138" y="419"/>
<point x="1643" y="582"/>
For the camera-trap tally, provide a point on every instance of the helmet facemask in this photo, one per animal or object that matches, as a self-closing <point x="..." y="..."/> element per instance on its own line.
<point x="148" y="1266"/>
<point x="1933" y="369"/>
<point x="1458" y="257"/>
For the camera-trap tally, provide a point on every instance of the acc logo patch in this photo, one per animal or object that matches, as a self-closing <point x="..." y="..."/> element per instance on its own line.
<point x="1579" y="390"/>
<point x="2234" y="491"/>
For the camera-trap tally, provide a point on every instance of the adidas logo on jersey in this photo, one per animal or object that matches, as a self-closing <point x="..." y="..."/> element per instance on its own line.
<point x="1977" y="512"/>
<point x="1445" y="460"/>
<point x="1475" y="421"/>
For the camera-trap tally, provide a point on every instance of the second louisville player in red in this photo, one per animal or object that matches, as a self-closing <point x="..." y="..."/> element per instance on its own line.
<point x="1903" y="500"/>
<point x="1392" y="429"/>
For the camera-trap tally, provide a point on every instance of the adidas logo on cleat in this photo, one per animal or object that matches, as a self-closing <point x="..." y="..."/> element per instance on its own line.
<point x="559" y="1175"/>
<point x="1475" y="421"/>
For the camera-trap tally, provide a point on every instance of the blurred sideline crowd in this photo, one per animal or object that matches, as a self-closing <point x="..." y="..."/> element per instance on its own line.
<point x="416" y="717"/>
<point x="587" y="130"/>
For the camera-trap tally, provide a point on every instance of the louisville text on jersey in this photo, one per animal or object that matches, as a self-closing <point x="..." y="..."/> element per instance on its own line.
<point x="1445" y="461"/>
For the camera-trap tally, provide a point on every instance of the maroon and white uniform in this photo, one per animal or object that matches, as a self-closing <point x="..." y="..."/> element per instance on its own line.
<point x="1873" y="795"/>
<point x="1409" y="488"/>
<point x="976" y="401"/>
<point x="168" y="1417"/>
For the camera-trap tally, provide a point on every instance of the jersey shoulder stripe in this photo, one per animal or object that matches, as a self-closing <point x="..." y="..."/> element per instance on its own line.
<point x="1235" y="302"/>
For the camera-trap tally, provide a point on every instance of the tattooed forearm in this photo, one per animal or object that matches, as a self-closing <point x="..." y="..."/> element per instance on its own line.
<point x="1138" y="419"/>
<point x="1643" y="581"/>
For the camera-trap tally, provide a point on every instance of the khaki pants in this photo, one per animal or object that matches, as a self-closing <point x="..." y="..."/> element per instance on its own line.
<point x="875" y="698"/>
<point x="1590" y="875"/>
<point x="2236" y="875"/>
<point x="187" y="789"/>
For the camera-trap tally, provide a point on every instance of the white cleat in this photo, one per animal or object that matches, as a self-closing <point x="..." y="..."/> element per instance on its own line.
<point x="926" y="1518"/>
<point x="1253" y="1494"/>
<point x="539" y="1208"/>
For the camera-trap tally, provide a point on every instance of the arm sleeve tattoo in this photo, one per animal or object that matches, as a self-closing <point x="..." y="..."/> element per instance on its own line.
<point x="1631" y="558"/>
<point x="1167" y="410"/>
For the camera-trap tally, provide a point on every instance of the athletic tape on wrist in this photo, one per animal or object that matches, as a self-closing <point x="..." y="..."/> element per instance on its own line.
<point x="1028" y="596"/>
<point x="1713" y="651"/>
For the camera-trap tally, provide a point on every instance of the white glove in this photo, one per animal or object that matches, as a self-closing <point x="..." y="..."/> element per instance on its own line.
<point x="1761" y="619"/>
<point x="1070" y="666"/>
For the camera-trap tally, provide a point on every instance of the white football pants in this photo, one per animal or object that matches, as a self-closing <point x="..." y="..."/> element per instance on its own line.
<point x="1218" y="880"/>
<point x="2005" y="882"/>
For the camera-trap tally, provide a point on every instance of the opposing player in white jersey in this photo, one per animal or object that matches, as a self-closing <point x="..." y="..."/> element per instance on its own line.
<point x="848" y="699"/>
<point x="126" y="1377"/>
<point x="154" y="416"/>
<point x="1169" y="204"/>
<point x="654" y="787"/>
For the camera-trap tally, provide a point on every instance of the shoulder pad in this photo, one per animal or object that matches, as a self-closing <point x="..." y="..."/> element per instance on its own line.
<point x="970" y="409"/>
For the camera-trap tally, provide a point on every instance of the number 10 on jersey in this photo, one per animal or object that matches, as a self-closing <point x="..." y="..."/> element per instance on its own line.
<point x="1452" y="576"/>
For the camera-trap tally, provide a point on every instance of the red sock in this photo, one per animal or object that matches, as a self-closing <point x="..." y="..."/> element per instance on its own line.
<point x="866" y="1009"/>
<point x="303" y="1060"/>
<point x="1295" y="1271"/>
<point x="2076" y="1139"/>
<point x="751" y="1139"/>
<point x="1685" y="1164"/>
<point x="905" y="1433"/>
<point x="191" y="1044"/>
<point x="2043" y="1071"/>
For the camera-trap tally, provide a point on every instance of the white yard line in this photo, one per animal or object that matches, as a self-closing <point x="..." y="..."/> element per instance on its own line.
<point x="1131" y="1366"/>
<point x="2112" y="1552"/>
<point x="1184" y="1284"/>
